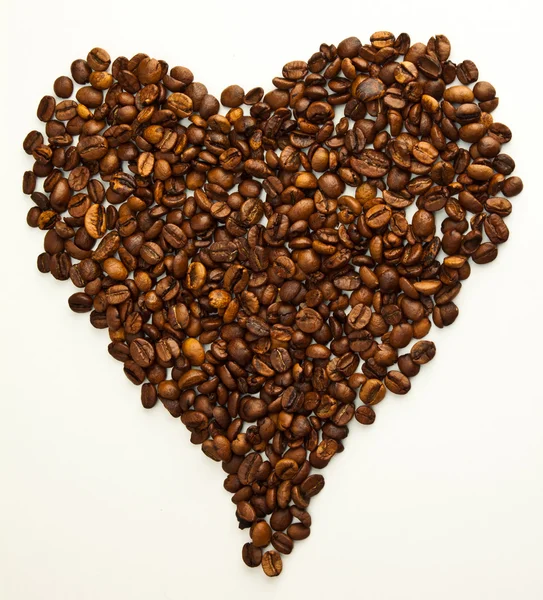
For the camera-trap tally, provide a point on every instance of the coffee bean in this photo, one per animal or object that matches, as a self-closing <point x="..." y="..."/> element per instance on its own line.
<point x="312" y="485"/>
<point x="63" y="87"/>
<point x="232" y="96"/>
<point x="423" y="352"/>
<point x="93" y="147"/>
<point x="148" y="395"/>
<point x="46" y="108"/>
<point x="365" y="415"/>
<point x="467" y="72"/>
<point x="397" y="382"/>
<point x="95" y="221"/>
<point x="512" y="186"/>
<point x="81" y="71"/>
<point x="286" y="468"/>
<point x="359" y="316"/>
<point x="272" y="563"/>
<point x="372" y="392"/>
<point x="261" y="534"/>
<point x="407" y="366"/>
<point x="485" y="253"/>
<point x="252" y="555"/>
<point x="249" y="468"/>
<point x="282" y="542"/>
<point x="297" y="531"/>
<point x="29" y="182"/>
<point x="484" y="91"/>
<point x="98" y="59"/>
<point x="193" y="351"/>
<point x="496" y="230"/>
<point x="80" y="302"/>
<point x="309" y="320"/>
<point x="142" y="352"/>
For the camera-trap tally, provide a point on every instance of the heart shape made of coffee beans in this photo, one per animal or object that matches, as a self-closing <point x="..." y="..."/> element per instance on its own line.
<point x="246" y="264"/>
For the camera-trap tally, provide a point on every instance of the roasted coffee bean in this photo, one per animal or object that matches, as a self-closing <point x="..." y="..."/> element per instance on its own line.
<point x="407" y="365"/>
<point x="423" y="352"/>
<point x="148" y="395"/>
<point x="397" y="382"/>
<point x="512" y="186"/>
<point x="257" y="270"/>
<point x="261" y="534"/>
<point x="365" y="415"/>
<point x="298" y="531"/>
<point x="272" y="563"/>
<point x="63" y="87"/>
<point x="46" y="108"/>
<point x="232" y="96"/>
<point x="80" y="302"/>
<point x="282" y="542"/>
<point x="252" y="555"/>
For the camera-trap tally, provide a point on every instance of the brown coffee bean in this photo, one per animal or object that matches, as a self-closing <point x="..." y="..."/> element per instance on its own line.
<point x="397" y="382"/>
<point x="252" y="556"/>
<point x="282" y="542"/>
<point x="63" y="87"/>
<point x="261" y="534"/>
<point x="495" y="228"/>
<point x="80" y="302"/>
<point x="272" y="564"/>
<point x="193" y="351"/>
<point x="423" y="352"/>
<point x="148" y="395"/>
<point x="46" y="108"/>
<point x="467" y="72"/>
<point x="485" y="253"/>
<point x="232" y="96"/>
<point x="286" y="468"/>
<point x="95" y="221"/>
<point x="98" y="59"/>
<point x="309" y="320"/>
<point x="372" y="392"/>
<point x="512" y="186"/>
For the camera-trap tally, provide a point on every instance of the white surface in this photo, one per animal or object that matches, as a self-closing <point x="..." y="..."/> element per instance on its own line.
<point x="440" y="499"/>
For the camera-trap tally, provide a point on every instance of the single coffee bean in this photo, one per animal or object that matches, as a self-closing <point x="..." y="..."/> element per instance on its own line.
<point x="29" y="182"/>
<point x="365" y="415"/>
<point x="282" y="542"/>
<point x="407" y="365"/>
<point x="261" y="534"/>
<point x="46" y="108"/>
<point x="297" y="531"/>
<point x="272" y="563"/>
<point x="98" y="59"/>
<point x="397" y="382"/>
<point x="512" y="186"/>
<point x="63" y="87"/>
<point x="95" y="221"/>
<point x="80" y="302"/>
<point x="148" y="395"/>
<point x="252" y="555"/>
<point x="372" y="392"/>
<point x="232" y="96"/>
<point x="423" y="352"/>
<point x="81" y="71"/>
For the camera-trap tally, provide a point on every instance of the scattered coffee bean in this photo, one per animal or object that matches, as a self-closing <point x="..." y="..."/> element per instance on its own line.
<point x="272" y="563"/>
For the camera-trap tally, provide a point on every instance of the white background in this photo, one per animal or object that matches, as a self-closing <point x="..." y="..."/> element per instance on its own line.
<point x="441" y="498"/>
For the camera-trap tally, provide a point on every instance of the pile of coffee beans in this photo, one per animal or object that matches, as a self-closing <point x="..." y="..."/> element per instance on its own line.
<point x="268" y="271"/>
